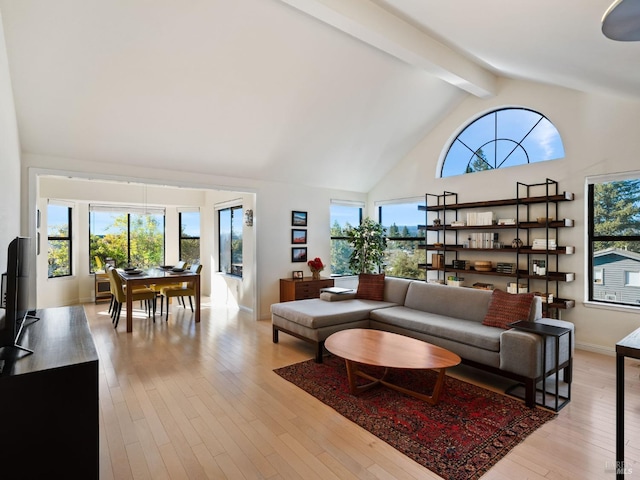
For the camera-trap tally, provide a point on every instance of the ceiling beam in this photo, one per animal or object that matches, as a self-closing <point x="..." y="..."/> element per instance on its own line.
<point x="376" y="26"/>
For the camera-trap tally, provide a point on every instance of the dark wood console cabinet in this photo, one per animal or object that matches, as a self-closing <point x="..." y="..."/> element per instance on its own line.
<point x="299" y="289"/>
<point x="49" y="406"/>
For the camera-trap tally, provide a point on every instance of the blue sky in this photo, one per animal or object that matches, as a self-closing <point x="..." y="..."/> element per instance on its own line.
<point x="513" y="125"/>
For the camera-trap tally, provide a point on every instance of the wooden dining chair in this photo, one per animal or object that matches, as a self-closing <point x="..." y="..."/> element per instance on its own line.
<point x="184" y="289"/>
<point x="120" y="293"/>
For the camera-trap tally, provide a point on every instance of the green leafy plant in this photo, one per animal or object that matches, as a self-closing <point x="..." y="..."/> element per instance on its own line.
<point x="369" y="243"/>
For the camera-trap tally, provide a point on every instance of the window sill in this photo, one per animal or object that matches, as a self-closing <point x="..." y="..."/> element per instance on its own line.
<point x="608" y="306"/>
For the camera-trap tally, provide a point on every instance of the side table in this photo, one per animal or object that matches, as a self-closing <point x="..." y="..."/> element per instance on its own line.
<point x="556" y="332"/>
<point x="629" y="346"/>
<point x="302" y="288"/>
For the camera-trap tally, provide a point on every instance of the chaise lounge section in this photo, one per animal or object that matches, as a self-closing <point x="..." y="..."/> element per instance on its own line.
<point x="450" y="317"/>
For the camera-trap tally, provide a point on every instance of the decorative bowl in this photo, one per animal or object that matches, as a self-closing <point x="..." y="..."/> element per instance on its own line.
<point x="545" y="219"/>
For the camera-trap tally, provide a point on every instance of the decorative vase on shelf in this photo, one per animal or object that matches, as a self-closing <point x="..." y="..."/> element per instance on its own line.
<point x="315" y="274"/>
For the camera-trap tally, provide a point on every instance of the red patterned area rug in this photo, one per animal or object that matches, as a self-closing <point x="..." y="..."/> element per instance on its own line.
<point x="461" y="437"/>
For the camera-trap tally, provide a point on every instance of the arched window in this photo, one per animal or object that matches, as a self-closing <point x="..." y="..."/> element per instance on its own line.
<point x="503" y="138"/>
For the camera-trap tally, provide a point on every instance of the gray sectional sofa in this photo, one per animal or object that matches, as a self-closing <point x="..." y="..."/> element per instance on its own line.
<point x="450" y="317"/>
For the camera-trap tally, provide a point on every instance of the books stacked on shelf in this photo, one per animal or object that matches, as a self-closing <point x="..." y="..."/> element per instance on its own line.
<point x="544" y="244"/>
<point x="461" y="264"/>
<point x="479" y="218"/>
<point x="506" y="221"/>
<point x="483" y="240"/>
<point x="457" y="223"/>
<point x="548" y="298"/>
<point x="514" y="287"/>
<point x="483" y="286"/>
<point x="539" y="267"/>
<point x="437" y="260"/>
<point x="502" y="267"/>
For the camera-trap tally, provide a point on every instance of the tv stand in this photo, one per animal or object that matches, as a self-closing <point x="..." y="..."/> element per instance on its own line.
<point x="15" y="343"/>
<point x="49" y="405"/>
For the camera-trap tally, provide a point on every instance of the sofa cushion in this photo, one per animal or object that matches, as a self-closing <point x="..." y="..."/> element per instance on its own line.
<point x="464" y="303"/>
<point x="317" y="313"/>
<point x="442" y="326"/>
<point x="506" y="308"/>
<point x="371" y="286"/>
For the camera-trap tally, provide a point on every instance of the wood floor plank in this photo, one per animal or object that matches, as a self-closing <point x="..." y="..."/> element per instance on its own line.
<point x="180" y="400"/>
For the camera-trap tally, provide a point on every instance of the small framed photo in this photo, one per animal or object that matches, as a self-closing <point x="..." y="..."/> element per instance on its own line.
<point x="299" y="254"/>
<point x="298" y="236"/>
<point x="297" y="275"/>
<point x="298" y="219"/>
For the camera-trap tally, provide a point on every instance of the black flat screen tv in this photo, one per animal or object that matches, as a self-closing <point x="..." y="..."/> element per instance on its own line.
<point x="15" y="293"/>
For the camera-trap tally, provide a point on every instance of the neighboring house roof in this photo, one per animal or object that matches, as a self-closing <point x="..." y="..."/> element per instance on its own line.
<point x="609" y="255"/>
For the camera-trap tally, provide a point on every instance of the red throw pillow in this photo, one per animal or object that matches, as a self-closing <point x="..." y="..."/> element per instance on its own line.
<point x="371" y="286"/>
<point x="506" y="308"/>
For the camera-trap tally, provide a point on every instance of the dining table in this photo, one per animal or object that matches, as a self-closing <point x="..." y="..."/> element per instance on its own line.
<point x="157" y="276"/>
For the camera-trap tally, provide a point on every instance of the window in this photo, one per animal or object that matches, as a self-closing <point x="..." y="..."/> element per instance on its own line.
<point x="59" y="240"/>
<point x="402" y="222"/>
<point x="342" y="216"/>
<point x="614" y="239"/>
<point x="230" y="240"/>
<point x="502" y="138"/>
<point x="127" y="235"/>
<point x="189" y="237"/>
<point x="632" y="279"/>
<point x="598" y="276"/>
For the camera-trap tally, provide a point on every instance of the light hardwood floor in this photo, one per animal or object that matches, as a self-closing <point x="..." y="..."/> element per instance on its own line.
<point x="185" y="401"/>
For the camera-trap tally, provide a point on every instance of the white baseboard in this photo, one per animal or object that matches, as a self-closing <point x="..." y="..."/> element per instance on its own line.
<point x="596" y="349"/>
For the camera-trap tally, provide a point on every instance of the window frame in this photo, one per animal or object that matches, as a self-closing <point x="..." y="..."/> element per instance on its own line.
<point x="181" y="238"/>
<point x="128" y="211"/>
<point x="592" y="238"/>
<point x="334" y="239"/>
<point x="417" y="240"/>
<point x="240" y="218"/>
<point x="493" y="138"/>
<point x="68" y="238"/>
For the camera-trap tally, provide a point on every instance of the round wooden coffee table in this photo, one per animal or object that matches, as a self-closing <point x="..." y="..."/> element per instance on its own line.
<point x="389" y="350"/>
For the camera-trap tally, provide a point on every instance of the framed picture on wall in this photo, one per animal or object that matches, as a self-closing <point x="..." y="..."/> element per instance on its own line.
<point x="299" y="254"/>
<point x="298" y="219"/>
<point x="298" y="236"/>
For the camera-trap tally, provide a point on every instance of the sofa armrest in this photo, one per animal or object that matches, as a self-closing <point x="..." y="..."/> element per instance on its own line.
<point x="336" y="297"/>
<point x="521" y="352"/>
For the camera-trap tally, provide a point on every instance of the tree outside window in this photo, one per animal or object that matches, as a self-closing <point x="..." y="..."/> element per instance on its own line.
<point x="230" y="240"/>
<point x="614" y="241"/>
<point x="342" y="217"/>
<point x="190" y="237"/>
<point x="59" y="240"/>
<point x="403" y="255"/>
<point x="126" y="236"/>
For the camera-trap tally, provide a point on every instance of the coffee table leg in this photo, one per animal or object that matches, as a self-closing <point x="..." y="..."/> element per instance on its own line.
<point x="353" y="372"/>
<point x="355" y="389"/>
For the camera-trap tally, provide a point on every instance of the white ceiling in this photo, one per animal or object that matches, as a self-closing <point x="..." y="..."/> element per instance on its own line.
<point x="331" y="93"/>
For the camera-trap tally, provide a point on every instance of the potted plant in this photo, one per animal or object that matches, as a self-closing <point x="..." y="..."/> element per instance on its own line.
<point x="369" y="243"/>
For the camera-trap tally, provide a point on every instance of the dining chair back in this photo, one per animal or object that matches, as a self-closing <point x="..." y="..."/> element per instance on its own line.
<point x="143" y="294"/>
<point x="186" y="289"/>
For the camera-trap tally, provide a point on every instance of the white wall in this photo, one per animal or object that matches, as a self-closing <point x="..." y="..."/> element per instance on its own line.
<point x="600" y="135"/>
<point x="10" y="199"/>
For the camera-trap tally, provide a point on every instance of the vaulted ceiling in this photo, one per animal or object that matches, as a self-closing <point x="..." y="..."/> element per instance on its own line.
<point x="330" y="93"/>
